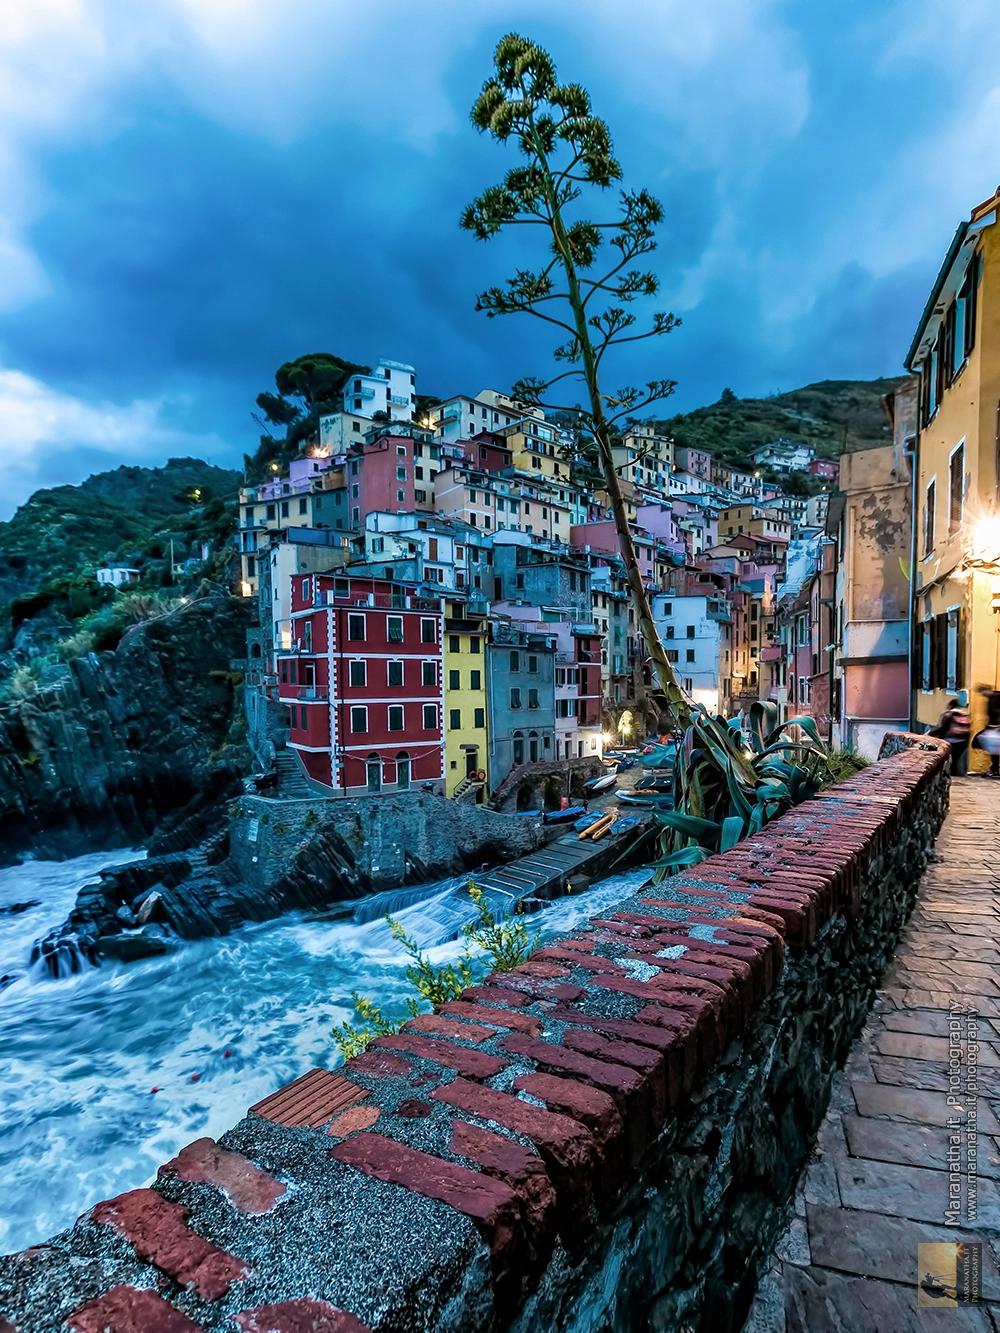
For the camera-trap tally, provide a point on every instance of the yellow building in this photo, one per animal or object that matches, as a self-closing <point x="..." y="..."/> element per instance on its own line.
<point x="465" y="714"/>
<point x="644" y="458"/>
<point x="956" y="537"/>
<point x="536" y="449"/>
<point x="754" y="520"/>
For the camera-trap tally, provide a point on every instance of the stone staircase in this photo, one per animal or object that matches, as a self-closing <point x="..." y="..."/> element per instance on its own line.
<point x="291" y="783"/>
<point x="466" y="790"/>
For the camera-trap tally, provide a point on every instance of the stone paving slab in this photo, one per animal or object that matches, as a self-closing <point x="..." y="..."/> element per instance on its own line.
<point x="878" y="1183"/>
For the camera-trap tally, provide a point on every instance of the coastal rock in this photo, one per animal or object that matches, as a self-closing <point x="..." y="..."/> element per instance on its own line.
<point x="149" y="736"/>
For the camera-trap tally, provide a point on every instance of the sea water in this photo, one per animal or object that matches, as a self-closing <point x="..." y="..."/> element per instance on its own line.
<point x="106" y="1074"/>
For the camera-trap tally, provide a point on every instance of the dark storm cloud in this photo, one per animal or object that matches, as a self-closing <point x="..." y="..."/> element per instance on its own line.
<point x="200" y="203"/>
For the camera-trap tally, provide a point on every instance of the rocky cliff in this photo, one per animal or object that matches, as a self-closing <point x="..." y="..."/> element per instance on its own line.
<point x="148" y="737"/>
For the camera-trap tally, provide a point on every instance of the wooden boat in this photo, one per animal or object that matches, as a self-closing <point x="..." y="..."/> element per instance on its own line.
<point x="597" y="785"/>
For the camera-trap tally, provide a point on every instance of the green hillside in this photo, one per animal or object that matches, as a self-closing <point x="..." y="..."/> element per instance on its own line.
<point x="126" y="516"/>
<point x="834" y="416"/>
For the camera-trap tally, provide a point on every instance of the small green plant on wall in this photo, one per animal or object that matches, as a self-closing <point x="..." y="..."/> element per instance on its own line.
<point x="505" y="942"/>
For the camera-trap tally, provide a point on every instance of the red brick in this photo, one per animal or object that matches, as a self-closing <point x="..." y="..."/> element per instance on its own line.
<point x="757" y="959"/>
<point x="491" y="1205"/>
<point x="128" y="1310"/>
<point x="535" y="986"/>
<point x="713" y="1031"/>
<point x="620" y="925"/>
<point x="524" y="1173"/>
<point x="160" y="1234"/>
<point x="496" y="995"/>
<point x="247" y="1187"/>
<point x="350" y="1121"/>
<point x="502" y="1018"/>
<point x="538" y="967"/>
<point x="648" y="1062"/>
<point x="565" y="1146"/>
<point x="594" y="1109"/>
<point x="728" y="985"/>
<point x="448" y="1027"/>
<point x="305" y="1315"/>
<point x="677" y="1042"/>
<point x="591" y="962"/>
<point x="628" y="1087"/>
<point x="379" y="1064"/>
<point x="473" y="1064"/>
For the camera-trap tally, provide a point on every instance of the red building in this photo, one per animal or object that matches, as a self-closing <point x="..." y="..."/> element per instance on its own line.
<point x="393" y="473"/>
<point x="364" y="684"/>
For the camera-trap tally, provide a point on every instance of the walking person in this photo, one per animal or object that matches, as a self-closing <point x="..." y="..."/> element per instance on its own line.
<point x="988" y="739"/>
<point x="954" y="727"/>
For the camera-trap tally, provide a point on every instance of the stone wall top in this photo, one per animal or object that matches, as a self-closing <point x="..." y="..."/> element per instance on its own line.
<point x="428" y="1183"/>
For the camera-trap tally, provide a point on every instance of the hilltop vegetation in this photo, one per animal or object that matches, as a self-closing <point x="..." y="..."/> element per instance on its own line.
<point x="51" y="547"/>
<point x="833" y="416"/>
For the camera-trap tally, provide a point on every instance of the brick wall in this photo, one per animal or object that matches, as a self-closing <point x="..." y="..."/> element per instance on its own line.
<point x="605" y="1138"/>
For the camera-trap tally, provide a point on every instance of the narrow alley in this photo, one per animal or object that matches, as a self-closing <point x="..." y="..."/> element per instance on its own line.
<point x="878" y="1183"/>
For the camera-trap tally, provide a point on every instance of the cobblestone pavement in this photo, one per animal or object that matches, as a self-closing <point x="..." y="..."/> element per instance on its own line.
<point x="878" y="1182"/>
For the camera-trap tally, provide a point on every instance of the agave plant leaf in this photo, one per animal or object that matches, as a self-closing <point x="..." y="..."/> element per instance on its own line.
<point x="732" y="832"/>
<point x="686" y="856"/>
<point x="807" y="724"/>
<point x="703" y="830"/>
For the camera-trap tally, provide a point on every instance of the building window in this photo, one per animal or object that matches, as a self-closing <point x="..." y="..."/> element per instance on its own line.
<point x="455" y="719"/>
<point x="293" y="714"/>
<point x="672" y="655"/>
<point x="400" y="497"/>
<point x="518" y="747"/>
<point x="395" y="717"/>
<point x="479" y="717"/>
<point x="403" y="771"/>
<point x="690" y="655"/>
<point x="475" y="680"/>
<point x="394" y="629"/>
<point x="473" y="644"/>
<point x="284" y="509"/>
<point x="428" y="631"/>
<point x="356" y="629"/>
<point x="515" y="661"/>
<point x="373" y="770"/>
<point x="305" y="590"/>
<point x="454" y="680"/>
<point x="270" y="513"/>
<point x="303" y="507"/>
<point x="430" y="717"/>
<point x="956" y="488"/>
<point x="401" y="474"/>
<point x="533" y="664"/>
<point x="532" y="698"/>
<point x="690" y="631"/>
<point x="359" y="675"/>
<point x="515" y="698"/>
<point x="395" y="674"/>
<point x="359" y="720"/>
<point x="428" y="674"/>
<point x="355" y="491"/>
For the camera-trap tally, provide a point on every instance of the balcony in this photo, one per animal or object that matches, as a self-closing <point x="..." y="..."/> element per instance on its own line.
<point x="314" y="692"/>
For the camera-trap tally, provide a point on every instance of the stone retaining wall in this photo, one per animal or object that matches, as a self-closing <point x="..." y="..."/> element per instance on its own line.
<point x="605" y="1138"/>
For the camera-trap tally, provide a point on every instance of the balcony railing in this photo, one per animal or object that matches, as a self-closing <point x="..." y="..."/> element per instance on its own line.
<point x="320" y="692"/>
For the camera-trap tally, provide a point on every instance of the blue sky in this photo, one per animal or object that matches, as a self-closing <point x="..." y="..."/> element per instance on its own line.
<point x="193" y="191"/>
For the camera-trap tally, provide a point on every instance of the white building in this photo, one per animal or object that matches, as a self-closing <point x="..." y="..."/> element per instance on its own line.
<point x="783" y="456"/>
<point x="460" y="418"/>
<point x="391" y="388"/>
<point x="696" y="633"/>
<point x="116" y="575"/>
